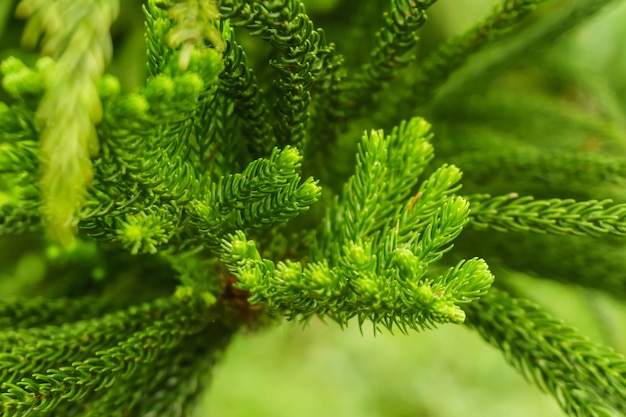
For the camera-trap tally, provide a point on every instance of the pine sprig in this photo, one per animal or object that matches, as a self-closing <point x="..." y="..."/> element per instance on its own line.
<point x="186" y="27"/>
<point x="157" y="24"/>
<point x="19" y="196"/>
<point x="573" y="260"/>
<point x="141" y="393"/>
<point x="100" y="366"/>
<point x="181" y="375"/>
<point x="305" y="58"/>
<point x="358" y="286"/>
<point x="28" y="351"/>
<point x="239" y="82"/>
<point x="259" y="179"/>
<point x="194" y="26"/>
<point x="586" y="379"/>
<point x="521" y="47"/>
<point x="76" y="35"/>
<point x="387" y="171"/>
<point x="394" y="40"/>
<point x="372" y="262"/>
<point x="522" y="171"/>
<point x="176" y="180"/>
<point x="557" y="216"/>
<point x="266" y="192"/>
<point x="24" y="313"/>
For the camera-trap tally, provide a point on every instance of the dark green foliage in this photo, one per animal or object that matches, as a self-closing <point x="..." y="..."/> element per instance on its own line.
<point x="548" y="216"/>
<point x="220" y="193"/>
<point x="397" y="37"/>
<point x="127" y="355"/>
<point x="586" y="379"/>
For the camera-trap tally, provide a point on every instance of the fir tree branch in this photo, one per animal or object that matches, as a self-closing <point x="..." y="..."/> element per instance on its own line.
<point x="76" y="35"/>
<point x="224" y="140"/>
<point x="305" y="61"/>
<point x="392" y="295"/>
<point x="53" y="346"/>
<point x="159" y="53"/>
<point x="586" y="379"/>
<point x="266" y="192"/>
<point x="556" y="216"/>
<point x="169" y="385"/>
<point x="23" y="313"/>
<point x="140" y="185"/>
<point x="239" y="83"/>
<point x="526" y="168"/>
<point x="261" y="178"/>
<point x="387" y="170"/>
<point x="101" y="367"/>
<point x="568" y="259"/>
<point x="173" y="180"/>
<point x="509" y="113"/>
<point x="192" y="373"/>
<point x="194" y="25"/>
<point x="19" y="196"/>
<point x="146" y="231"/>
<point x="394" y="39"/>
<point x="187" y="26"/>
<point x="377" y="245"/>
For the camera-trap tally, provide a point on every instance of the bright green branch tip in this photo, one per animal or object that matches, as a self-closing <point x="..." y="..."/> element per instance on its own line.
<point x="375" y="257"/>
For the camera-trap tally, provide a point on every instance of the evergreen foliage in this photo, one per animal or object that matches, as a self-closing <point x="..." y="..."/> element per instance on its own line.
<point x="222" y="193"/>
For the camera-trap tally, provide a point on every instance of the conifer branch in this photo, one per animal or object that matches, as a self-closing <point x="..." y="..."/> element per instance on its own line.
<point x="19" y="196"/>
<point x="189" y="178"/>
<point x="381" y="181"/>
<point x="305" y="60"/>
<point x="195" y="22"/>
<point x="76" y="35"/>
<point x="509" y="113"/>
<point x="586" y="379"/>
<point x="261" y="178"/>
<point x="265" y="193"/>
<point x="556" y="216"/>
<point x="159" y="53"/>
<point x="190" y="27"/>
<point x="394" y="39"/>
<point x="68" y="335"/>
<point x="24" y="313"/>
<point x="187" y="26"/>
<point x="154" y="392"/>
<point x="224" y="142"/>
<point x="239" y="83"/>
<point x="551" y="169"/>
<point x="572" y="260"/>
<point x="373" y="262"/>
<point x="388" y="292"/>
<point x="103" y="361"/>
